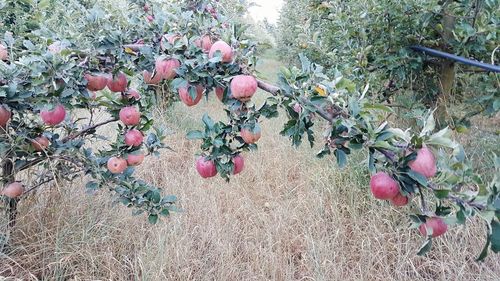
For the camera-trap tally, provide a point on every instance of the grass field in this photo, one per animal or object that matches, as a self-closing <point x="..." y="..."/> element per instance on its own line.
<point x="288" y="216"/>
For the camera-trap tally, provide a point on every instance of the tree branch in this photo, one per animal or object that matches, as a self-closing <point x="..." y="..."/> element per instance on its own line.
<point x="87" y="130"/>
<point x="461" y="201"/>
<point x="273" y="90"/>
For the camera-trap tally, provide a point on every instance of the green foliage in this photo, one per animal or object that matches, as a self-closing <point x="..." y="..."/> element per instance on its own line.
<point x="368" y="42"/>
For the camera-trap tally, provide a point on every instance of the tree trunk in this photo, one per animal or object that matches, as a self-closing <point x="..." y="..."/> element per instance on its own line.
<point x="8" y="207"/>
<point x="447" y="71"/>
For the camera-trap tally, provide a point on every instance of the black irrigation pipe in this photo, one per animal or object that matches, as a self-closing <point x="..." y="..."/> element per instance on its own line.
<point x="436" y="53"/>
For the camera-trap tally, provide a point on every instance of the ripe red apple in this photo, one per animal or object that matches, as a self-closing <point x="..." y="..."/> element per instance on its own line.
<point x="151" y="80"/>
<point x="206" y="168"/>
<point x="250" y="135"/>
<point x="40" y="143"/>
<point x="4" y="54"/>
<point x="239" y="164"/>
<point x="224" y="48"/>
<point x="204" y="43"/>
<point x="56" y="47"/>
<point x="425" y="163"/>
<point x="130" y="116"/>
<point x="5" y="115"/>
<point x="438" y="226"/>
<point x="134" y="137"/>
<point x="243" y="87"/>
<point x="297" y="108"/>
<point x="219" y="92"/>
<point x="399" y="200"/>
<point x="13" y="190"/>
<point x="96" y="82"/>
<point x="55" y="116"/>
<point x="150" y="18"/>
<point x="186" y="97"/>
<point x="170" y="39"/>
<point x="166" y="67"/>
<point x="118" y="83"/>
<point x="146" y="8"/>
<point x="135" y="158"/>
<point x="133" y="94"/>
<point x="383" y="186"/>
<point x="117" y="165"/>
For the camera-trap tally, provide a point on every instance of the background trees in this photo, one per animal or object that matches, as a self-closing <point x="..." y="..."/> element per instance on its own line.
<point x="369" y="40"/>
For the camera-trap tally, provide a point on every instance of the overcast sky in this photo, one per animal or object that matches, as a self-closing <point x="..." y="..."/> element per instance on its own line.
<point x="269" y="9"/>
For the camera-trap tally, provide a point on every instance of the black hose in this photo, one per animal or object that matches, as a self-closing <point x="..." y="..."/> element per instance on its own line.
<point x="436" y="53"/>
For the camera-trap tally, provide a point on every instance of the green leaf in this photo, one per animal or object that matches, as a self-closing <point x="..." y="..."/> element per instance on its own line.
<point x="92" y="185"/>
<point x="484" y="252"/>
<point x="195" y="135"/>
<point x="208" y="121"/>
<point x="371" y="107"/>
<point x="430" y="125"/>
<point x="153" y="219"/>
<point x="495" y="236"/>
<point x="441" y="193"/>
<point x="371" y="162"/>
<point x="426" y="247"/>
<point x="341" y="158"/>
<point x="418" y="178"/>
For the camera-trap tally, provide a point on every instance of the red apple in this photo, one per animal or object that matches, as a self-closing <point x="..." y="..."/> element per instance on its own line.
<point x="56" y="47"/>
<point x="133" y="94"/>
<point x="251" y="135"/>
<point x="130" y="116"/>
<point x="40" y="143"/>
<point x="150" y="18"/>
<point x="135" y="158"/>
<point x="146" y="8"/>
<point x="150" y="79"/>
<point x="5" y="115"/>
<point x="399" y="200"/>
<point x="297" y="108"/>
<point x="96" y="82"/>
<point x="186" y="97"/>
<point x="425" y="163"/>
<point x="166" y="67"/>
<point x="134" y="137"/>
<point x="170" y="38"/>
<point x="219" y="92"/>
<point x="117" y="165"/>
<point x="118" y="83"/>
<point x="239" y="164"/>
<point x="243" y="87"/>
<point x="204" y="43"/>
<point x="206" y="168"/>
<point x="224" y="48"/>
<point x="4" y="54"/>
<point x="383" y="186"/>
<point x="436" y="224"/>
<point x="13" y="190"/>
<point x="55" y="116"/>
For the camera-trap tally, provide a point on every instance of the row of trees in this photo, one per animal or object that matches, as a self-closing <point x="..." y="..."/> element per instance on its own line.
<point x="369" y="41"/>
<point x="192" y="49"/>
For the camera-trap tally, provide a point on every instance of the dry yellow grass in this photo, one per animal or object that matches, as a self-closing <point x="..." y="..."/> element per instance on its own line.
<point x="288" y="216"/>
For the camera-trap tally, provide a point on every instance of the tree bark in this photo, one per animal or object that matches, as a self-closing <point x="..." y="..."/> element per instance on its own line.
<point x="8" y="207"/>
<point x="446" y="71"/>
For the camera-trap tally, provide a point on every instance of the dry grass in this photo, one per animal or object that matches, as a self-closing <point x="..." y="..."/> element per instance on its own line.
<point x="288" y="216"/>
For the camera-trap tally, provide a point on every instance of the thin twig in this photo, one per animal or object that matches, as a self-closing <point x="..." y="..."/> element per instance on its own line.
<point x="87" y="130"/>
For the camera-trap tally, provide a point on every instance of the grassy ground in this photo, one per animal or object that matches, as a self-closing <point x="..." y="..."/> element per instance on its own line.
<point x="288" y="216"/>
